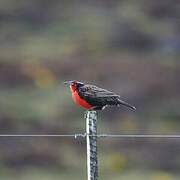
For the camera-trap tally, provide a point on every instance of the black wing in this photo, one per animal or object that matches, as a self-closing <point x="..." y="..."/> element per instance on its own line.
<point x="97" y="96"/>
<point x="101" y="97"/>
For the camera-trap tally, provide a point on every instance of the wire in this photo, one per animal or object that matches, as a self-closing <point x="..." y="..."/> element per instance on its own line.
<point x="43" y="135"/>
<point x="37" y="135"/>
<point x="138" y="136"/>
<point x="98" y="135"/>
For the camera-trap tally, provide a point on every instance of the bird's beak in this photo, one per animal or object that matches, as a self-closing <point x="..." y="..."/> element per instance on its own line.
<point x="68" y="82"/>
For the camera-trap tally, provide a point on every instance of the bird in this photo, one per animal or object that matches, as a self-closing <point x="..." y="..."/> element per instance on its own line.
<point x="91" y="97"/>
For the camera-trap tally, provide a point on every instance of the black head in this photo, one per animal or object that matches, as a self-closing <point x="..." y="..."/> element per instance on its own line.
<point x="74" y="83"/>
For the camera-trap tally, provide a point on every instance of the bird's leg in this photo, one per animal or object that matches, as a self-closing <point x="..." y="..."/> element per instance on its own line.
<point x="94" y="108"/>
<point x="104" y="107"/>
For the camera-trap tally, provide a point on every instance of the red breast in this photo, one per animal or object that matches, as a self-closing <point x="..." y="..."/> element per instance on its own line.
<point x="78" y="100"/>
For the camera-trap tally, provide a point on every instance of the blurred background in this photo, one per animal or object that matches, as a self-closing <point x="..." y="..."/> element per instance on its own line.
<point x="129" y="47"/>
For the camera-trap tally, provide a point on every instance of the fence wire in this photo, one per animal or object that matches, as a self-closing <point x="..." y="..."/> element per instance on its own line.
<point x="83" y="135"/>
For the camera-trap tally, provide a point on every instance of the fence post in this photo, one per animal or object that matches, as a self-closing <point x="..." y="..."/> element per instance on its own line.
<point x="91" y="140"/>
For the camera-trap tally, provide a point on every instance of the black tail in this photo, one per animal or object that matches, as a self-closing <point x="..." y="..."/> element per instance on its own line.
<point x="120" y="102"/>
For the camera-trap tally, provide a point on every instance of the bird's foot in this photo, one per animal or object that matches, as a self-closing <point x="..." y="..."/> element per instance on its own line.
<point x="94" y="108"/>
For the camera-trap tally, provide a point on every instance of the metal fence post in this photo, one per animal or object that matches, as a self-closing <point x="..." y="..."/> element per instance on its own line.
<point x="91" y="140"/>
